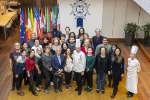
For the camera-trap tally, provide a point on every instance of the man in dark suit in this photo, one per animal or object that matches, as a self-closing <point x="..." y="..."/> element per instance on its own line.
<point x="58" y="63"/>
<point x="97" y="39"/>
<point x="55" y="32"/>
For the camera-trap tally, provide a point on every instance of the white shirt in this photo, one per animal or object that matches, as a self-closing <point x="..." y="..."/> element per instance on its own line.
<point x="79" y="61"/>
<point x="69" y="65"/>
<point x="35" y="49"/>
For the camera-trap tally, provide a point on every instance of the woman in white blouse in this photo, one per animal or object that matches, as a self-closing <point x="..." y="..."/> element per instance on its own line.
<point x="36" y="45"/>
<point x="68" y="67"/>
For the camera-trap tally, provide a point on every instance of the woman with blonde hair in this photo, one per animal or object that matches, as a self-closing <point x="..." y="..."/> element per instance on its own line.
<point x="56" y="43"/>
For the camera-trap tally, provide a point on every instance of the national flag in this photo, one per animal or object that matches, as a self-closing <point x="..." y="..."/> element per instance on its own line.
<point x="55" y="12"/>
<point x="58" y="19"/>
<point x="42" y="20"/>
<point x="29" y="24"/>
<point x="26" y="25"/>
<point x="53" y="16"/>
<point x="32" y="19"/>
<point x="22" y="27"/>
<point x="36" y="21"/>
<point x="48" y="20"/>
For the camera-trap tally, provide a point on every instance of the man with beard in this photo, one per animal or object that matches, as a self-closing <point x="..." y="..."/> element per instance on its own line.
<point x="13" y="57"/>
<point x="45" y="34"/>
<point x="31" y="41"/>
<point x="55" y="32"/>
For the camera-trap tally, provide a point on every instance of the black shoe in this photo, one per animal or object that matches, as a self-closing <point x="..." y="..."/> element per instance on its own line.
<point x="130" y="95"/>
<point x="67" y="87"/>
<point x="49" y="88"/>
<point x="76" y="89"/>
<point x="89" y="89"/>
<point x="46" y="91"/>
<point x="103" y="91"/>
<point x="113" y="95"/>
<point x="60" y="90"/>
<point x="12" y="89"/>
<point x="86" y="88"/>
<point x="97" y="91"/>
<point x="55" y="90"/>
<point x="79" y="92"/>
<point x="34" y="93"/>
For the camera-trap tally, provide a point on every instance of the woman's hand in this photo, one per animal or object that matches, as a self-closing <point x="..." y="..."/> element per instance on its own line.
<point x="16" y="75"/>
<point x="82" y="73"/>
<point x="108" y="72"/>
<point x="122" y="75"/>
<point x="28" y="75"/>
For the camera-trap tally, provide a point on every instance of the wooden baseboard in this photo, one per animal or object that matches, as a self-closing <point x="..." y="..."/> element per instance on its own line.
<point x="143" y="50"/>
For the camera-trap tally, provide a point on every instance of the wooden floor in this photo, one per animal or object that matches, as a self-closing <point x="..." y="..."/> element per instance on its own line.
<point x="6" y="77"/>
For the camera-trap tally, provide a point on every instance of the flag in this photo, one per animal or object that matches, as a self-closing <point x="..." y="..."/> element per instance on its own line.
<point x="48" y="20"/>
<point x="51" y="24"/>
<point x="49" y="11"/>
<point x="42" y="19"/>
<point x="53" y="16"/>
<point x="29" y="24"/>
<point x="26" y="25"/>
<point x="22" y="27"/>
<point x="32" y="19"/>
<point x="36" y="21"/>
<point x="55" y="12"/>
<point x="58" y="19"/>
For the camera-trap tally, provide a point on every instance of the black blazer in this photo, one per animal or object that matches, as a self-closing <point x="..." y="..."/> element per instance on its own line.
<point x="95" y="42"/>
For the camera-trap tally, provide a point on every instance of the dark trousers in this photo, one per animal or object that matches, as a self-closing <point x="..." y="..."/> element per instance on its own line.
<point x="25" y="78"/>
<point x="116" y="79"/>
<point x="57" y="85"/>
<point x="31" y="87"/>
<point x="38" y="79"/>
<point x="47" y="78"/>
<point x="13" y="80"/>
<point x="89" y="78"/>
<point x="78" y="80"/>
<point x="109" y="79"/>
<point x="19" y="81"/>
<point x="68" y="77"/>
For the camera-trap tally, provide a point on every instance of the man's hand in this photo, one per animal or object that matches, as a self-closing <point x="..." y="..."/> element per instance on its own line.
<point x="82" y="73"/>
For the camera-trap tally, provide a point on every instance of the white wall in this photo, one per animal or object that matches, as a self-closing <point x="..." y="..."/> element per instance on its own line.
<point x="91" y="22"/>
<point x="109" y="15"/>
<point x="119" y="12"/>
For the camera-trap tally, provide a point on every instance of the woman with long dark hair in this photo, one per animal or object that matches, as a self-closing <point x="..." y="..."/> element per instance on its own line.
<point x="30" y="70"/>
<point x="68" y="67"/>
<point x="113" y="48"/>
<point x="81" y="35"/>
<point x="64" y="47"/>
<point x="117" y="70"/>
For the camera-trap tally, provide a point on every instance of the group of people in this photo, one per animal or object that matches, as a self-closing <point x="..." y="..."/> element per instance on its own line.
<point x="58" y="57"/>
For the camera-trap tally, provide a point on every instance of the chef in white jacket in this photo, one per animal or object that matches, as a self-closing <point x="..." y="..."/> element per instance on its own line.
<point x="79" y="62"/>
<point x="132" y="73"/>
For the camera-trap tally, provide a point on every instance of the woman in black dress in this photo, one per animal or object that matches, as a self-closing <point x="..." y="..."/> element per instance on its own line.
<point x="117" y="70"/>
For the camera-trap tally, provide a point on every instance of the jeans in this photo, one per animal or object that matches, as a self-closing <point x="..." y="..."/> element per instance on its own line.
<point x="101" y="80"/>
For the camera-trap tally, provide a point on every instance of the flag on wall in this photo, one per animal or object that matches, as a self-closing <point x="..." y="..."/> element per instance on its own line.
<point x="33" y="19"/>
<point x="58" y="18"/>
<point x="22" y="27"/>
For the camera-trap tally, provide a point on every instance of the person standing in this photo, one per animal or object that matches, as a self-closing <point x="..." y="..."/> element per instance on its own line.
<point x="105" y="44"/>
<point x="132" y="73"/>
<point x="47" y="68"/>
<point x="90" y="62"/>
<point x="55" y="32"/>
<point x="45" y="34"/>
<point x="81" y="35"/>
<point x="67" y="30"/>
<point x="13" y="57"/>
<point x="30" y="70"/>
<point x="117" y="63"/>
<point x="19" y="71"/>
<point x="79" y="62"/>
<point x="68" y="67"/>
<point x="31" y="41"/>
<point x="102" y="66"/>
<point x="58" y="64"/>
<point x="38" y="68"/>
<point x="37" y="45"/>
<point x="98" y="38"/>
